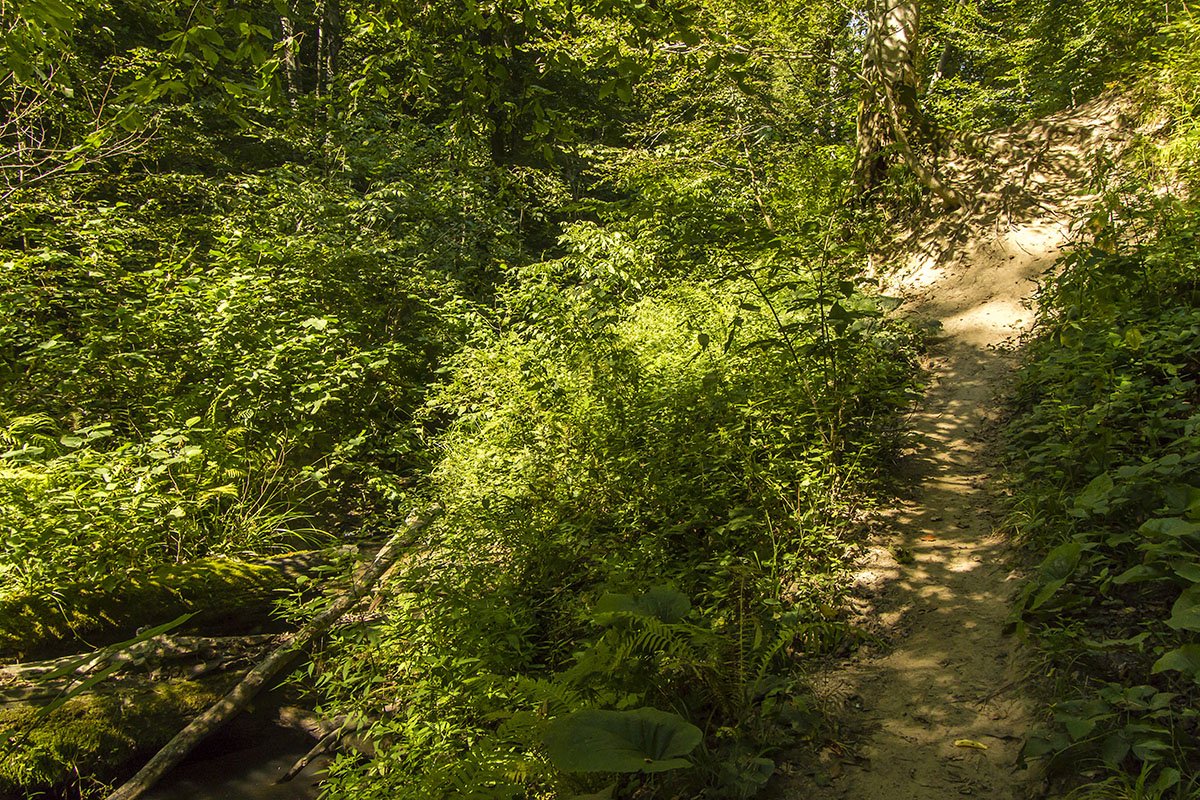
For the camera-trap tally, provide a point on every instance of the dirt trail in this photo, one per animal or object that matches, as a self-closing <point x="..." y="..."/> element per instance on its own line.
<point x="938" y="584"/>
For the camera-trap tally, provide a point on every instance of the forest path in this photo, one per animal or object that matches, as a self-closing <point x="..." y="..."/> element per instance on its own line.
<point x="936" y="585"/>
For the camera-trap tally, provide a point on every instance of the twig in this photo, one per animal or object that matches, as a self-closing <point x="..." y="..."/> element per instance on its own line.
<point x="327" y="741"/>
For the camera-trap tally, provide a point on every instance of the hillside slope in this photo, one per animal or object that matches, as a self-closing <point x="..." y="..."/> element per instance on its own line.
<point x="940" y="710"/>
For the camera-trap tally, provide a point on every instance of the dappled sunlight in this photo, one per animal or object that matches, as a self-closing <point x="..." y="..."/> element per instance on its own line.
<point x="938" y="714"/>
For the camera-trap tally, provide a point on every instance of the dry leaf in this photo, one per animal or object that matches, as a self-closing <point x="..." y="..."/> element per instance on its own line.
<point x="970" y="743"/>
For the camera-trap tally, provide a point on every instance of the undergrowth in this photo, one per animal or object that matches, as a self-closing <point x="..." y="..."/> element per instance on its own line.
<point x="1104" y="448"/>
<point x="650" y="490"/>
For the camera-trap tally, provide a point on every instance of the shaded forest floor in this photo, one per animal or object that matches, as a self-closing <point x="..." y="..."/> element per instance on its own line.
<point x="939" y="707"/>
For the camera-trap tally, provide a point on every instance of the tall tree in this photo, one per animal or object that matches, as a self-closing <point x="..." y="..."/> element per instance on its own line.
<point x="889" y="117"/>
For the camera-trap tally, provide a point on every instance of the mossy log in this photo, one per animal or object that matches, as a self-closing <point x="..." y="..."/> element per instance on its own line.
<point x="69" y="721"/>
<point x="226" y="596"/>
<point x="278" y="661"/>
<point x="143" y="660"/>
<point x="95" y="735"/>
<point x="151" y="685"/>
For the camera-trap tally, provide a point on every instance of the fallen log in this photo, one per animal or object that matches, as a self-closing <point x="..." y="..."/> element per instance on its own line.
<point x="233" y="702"/>
<point x="97" y="734"/>
<point x="57" y="676"/>
<point x="223" y="595"/>
<point x="318" y="727"/>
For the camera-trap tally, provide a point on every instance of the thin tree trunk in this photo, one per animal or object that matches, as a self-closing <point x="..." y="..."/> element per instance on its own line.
<point x="925" y="174"/>
<point x="291" y="60"/>
<point x="319" y="65"/>
<point x="332" y="24"/>
<point x="229" y="706"/>
<point x="943" y="64"/>
<point x="329" y="23"/>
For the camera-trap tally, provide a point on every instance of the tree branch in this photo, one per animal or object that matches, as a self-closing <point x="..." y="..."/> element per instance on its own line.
<point x="275" y="663"/>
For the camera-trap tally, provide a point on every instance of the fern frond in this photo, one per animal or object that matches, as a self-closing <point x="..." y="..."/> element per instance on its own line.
<point x="559" y="698"/>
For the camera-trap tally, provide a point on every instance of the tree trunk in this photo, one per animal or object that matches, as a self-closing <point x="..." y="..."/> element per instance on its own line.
<point x="329" y="41"/>
<point x="888" y="116"/>
<point x="291" y="57"/>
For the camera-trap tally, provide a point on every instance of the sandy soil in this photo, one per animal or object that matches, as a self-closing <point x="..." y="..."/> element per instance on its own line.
<point x="940" y="709"/>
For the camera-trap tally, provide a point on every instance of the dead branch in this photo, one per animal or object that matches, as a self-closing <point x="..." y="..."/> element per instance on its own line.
<point x="275" y="663"/>
<point x="323" y="744"/>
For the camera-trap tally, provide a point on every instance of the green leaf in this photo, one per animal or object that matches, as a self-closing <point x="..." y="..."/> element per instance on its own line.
<point x="1046" y="591"/>
<point x="1185" y="660"/>
<point x="1040" y="746"/>
<point x="1138" y="574"/>
<point x="1078" y="727"/>
<point x="1058" y="566"/>
<point x="1150" y="749"/>
<point x="643" y="740"/>
<point x="1185" y="614"/>
<point x="1060" y="562"/>
<point x="840" y="313"/>
<point x="1166" y="779"/>
<point x="1114" y="749"/>
<point x="1186" y="569"/>
<point x="661" y="602"/>
<point x="1183" y="498"/>
<point x="1094" y="497"/>
<point x="1171" y="526"/>
<point x="760" y="771"/>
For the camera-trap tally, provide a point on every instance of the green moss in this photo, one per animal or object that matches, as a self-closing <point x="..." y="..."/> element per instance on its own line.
<point x="225" y="595"/>
<point x="100" y="736"/>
